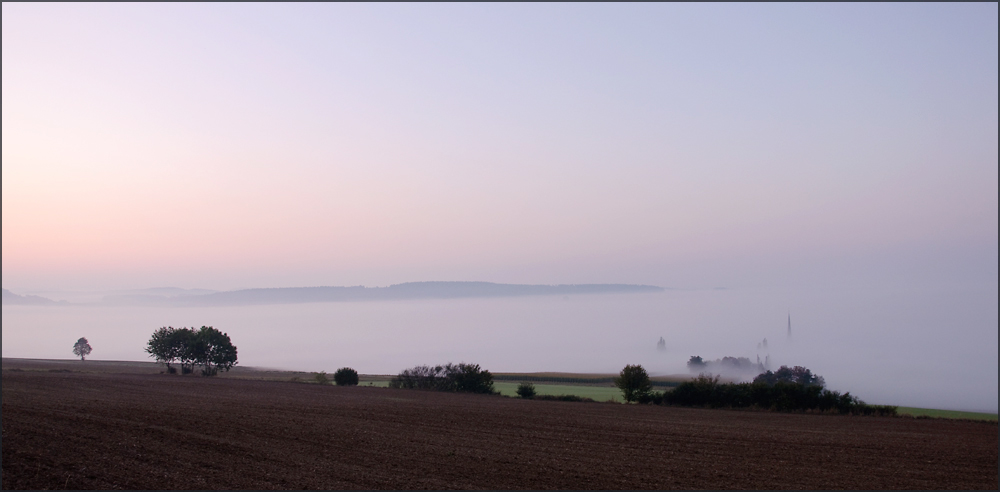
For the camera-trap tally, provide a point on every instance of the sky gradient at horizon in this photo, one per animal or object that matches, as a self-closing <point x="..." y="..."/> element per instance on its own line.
<point x="230" y="146"/>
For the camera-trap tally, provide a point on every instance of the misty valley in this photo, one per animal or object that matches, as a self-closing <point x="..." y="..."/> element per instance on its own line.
<point x="866" y="348"/>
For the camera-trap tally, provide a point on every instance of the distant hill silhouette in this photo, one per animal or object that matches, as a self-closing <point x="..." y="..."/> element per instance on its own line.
<point x="411" y="290"/>
<point x="12" y="298"/>
<point x="170" y="296"/>
<point x="157" y="295"/>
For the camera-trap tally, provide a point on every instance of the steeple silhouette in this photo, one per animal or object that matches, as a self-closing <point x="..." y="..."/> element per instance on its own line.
<point x="789" y="326"/>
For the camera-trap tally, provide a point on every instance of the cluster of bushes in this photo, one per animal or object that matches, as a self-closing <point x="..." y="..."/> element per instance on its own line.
<point x="206" y="346"/>
<point x="787" y="389"/>
<point x="462" y="377"/>
<point x="706" y="391"/>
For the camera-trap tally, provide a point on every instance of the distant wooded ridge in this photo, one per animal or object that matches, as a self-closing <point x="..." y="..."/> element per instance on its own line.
<point x="404" y="291"/>
<point x="12" y="298"/>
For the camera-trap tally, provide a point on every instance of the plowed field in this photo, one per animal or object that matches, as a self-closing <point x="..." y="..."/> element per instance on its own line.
<point x="152" y="431"/>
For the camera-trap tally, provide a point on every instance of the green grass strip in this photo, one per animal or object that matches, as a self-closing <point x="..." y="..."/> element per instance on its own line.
<point x="597" y="393"/>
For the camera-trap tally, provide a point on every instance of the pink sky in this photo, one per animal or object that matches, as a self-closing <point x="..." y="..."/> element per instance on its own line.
<point x="230" y="146"/>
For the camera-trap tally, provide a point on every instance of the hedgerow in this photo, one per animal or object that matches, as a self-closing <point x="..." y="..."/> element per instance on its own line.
<point x="462" y="378"/>
<point x="706" y="391"/>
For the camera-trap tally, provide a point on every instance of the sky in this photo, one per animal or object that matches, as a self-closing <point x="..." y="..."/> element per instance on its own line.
<point x="228" y="146"/>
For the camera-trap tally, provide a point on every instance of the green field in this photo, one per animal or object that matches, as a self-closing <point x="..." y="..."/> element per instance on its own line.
<point x="946" y="414"/>
<point x="597" y="393"/>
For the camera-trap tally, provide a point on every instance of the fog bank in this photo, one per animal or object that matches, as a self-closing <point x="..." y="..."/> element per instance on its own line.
<point x="921" y="347"/>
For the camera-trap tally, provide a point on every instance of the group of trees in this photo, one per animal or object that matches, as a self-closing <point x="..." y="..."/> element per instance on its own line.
<point x="797" y="374"/>
<point x="731" y="366"/>
<point x="206" y="346"/>
<point x="770" y="394"/>
<point x="787" y="389"/>
<point x="462" y="377"/>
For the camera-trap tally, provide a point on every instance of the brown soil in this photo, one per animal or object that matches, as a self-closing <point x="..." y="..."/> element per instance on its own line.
<point x="133" y="430"/>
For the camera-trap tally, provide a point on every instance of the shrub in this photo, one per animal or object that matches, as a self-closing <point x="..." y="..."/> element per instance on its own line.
<point x="321" y="378"/>
<point x="462" y="377"/>
<point x="345" y="376"/>
<point x="526" y="390"/>
<point x="654" y="397"/>
<point x="634" y="383"/>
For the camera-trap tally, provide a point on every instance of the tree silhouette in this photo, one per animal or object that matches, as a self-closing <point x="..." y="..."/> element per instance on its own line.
<point x="796" y="375"/>
<point x="345" y="376"/>
<point x="82" y="348"/>
<point x="206" y="346"/>
<point x="213" y="350"/>
<point x="634" y="383"/>
<point x="169" y="344"/>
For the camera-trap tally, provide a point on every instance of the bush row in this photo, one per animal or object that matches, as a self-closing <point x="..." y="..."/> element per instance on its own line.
<point x="462" y="377"/>
<point x="706" y="391"/>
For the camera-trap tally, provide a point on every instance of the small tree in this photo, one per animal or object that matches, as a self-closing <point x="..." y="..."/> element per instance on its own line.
<point x="634" y="383"/>
<point x="321" y="378"/>
<point x="82" y="348"/>
<point x="345" y="376"/>
<point x="526" y="390"/>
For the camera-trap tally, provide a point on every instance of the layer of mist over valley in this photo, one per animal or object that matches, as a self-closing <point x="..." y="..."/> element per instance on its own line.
<point x="872" y="343"/>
